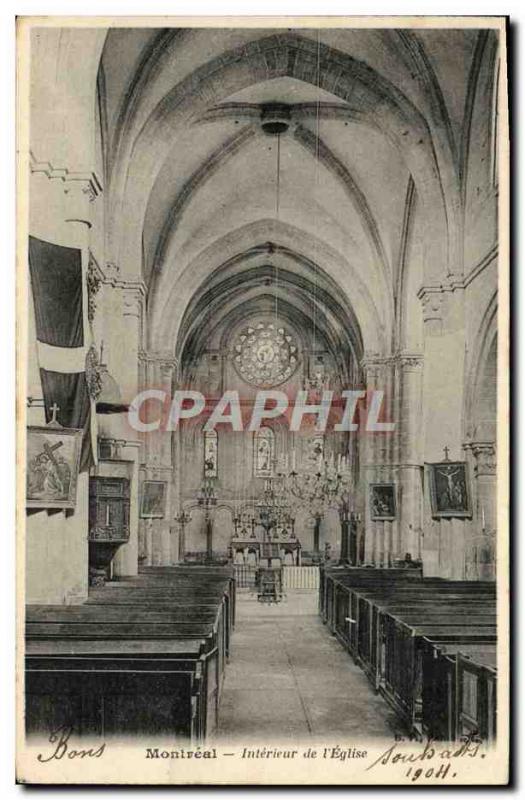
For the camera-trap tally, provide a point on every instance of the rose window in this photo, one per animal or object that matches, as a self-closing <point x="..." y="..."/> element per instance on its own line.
<point x="265" y="354"/>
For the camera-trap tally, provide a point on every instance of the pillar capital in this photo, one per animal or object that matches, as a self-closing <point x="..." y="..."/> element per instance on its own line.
<point x="442" y="306"/>
<point x="409" y="362"/>
<point x="163" y="363"/>
<point x="485" y="457"/>
<point x="133" y="296"/>
<point x="373" y="365"/>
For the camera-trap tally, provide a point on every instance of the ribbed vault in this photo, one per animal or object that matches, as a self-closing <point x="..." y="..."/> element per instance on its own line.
<point x="191" y="176"/>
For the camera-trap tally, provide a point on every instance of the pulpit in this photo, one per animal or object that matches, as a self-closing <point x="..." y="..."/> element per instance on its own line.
<point x="109" y="500"/>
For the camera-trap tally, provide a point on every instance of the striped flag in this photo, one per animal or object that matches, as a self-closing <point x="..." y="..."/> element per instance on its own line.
<point x="63" y="337"/>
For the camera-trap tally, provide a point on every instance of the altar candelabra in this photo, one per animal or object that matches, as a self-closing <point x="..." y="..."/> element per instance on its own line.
<point x="183" y="518"/>
<point x="244" y="521"/>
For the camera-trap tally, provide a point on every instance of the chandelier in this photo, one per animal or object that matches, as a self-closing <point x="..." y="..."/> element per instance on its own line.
<point x="273" y="509"/>
<point x="326" y="485"/>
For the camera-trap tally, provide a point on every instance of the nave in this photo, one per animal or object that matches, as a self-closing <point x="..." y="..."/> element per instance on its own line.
<point x="289" y="680"/>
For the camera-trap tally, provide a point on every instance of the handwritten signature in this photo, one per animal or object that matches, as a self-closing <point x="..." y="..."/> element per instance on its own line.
<point x="439" y="753"/>
<point x="62" y="749"/>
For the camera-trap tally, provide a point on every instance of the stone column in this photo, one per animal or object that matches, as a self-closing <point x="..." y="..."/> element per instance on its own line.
<point x="345" y="532"/>
<point x="182" y="541"/>
<point x="158" y="373"/>
<point x="376" y="456"/>
<point x="481" y="551"/>
<point x="410" y="370"/>
<point x="442" y="404"/>
<point x="209" y="537"/>
<point x="122" y="340"/>
<point x="317" y="533"/>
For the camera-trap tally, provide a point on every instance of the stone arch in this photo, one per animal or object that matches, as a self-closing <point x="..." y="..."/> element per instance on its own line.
<point x="295" y="283"/>
<point x="370" y="312"/>
<point x="479" y="192"/>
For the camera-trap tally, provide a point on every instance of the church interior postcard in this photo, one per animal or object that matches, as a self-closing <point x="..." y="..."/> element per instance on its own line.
<point x="263" y="308"/>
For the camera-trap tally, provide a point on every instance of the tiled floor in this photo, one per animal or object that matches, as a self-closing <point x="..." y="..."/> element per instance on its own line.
<point x="289" y="679"/>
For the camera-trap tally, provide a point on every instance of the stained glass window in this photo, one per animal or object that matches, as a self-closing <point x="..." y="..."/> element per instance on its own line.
<point x="263" y="453"/>
<point x="265" y="354"/>
<point x="211" y="448"/>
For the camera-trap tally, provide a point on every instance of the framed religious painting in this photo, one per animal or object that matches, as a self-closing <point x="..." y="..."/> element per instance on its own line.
<point x="153" y="503"/>
<point x="53" y="459"/>
<point x="449" y="489"/>
<point x="382" y="501"/>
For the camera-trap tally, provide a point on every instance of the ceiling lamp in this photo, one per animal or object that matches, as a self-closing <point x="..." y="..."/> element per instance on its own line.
<point x="275" y="118"/>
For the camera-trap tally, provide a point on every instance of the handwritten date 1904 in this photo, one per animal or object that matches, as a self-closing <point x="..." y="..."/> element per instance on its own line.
<point x="437" y="757"/>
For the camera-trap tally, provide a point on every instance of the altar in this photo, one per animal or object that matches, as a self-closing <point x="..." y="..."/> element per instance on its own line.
<point x="250" y="552"/>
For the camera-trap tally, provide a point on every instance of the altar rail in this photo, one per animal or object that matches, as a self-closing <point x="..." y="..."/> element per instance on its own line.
<point x="300" y="578"/>
<point x="293" y="577"/>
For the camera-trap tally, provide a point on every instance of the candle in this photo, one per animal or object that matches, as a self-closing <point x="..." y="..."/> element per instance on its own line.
<point x="482" y="518"/>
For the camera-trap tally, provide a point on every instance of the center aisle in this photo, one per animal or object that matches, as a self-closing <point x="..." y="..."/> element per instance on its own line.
<point x="290" y="679"/>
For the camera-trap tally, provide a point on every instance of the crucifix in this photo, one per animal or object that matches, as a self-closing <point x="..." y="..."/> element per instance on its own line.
<point x="445" y="450"/>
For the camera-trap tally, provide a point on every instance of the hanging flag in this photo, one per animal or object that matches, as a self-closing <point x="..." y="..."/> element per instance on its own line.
<point x="62" y="333"/>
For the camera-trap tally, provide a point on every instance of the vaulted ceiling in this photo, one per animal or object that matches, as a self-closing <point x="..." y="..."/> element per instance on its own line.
<point x="369" y="118"/>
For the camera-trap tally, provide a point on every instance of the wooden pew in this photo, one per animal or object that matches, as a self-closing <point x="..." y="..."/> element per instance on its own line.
<point x="354" y="575"/>
<point x="476" y="696"/>
<point x="401" y="671"/>
<point x="459" y="690"/>
<point x="168" y="635"/>
<point x="105" y="688"/>
<point x="382" y="618"/>
<point x="361" y="605"/>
